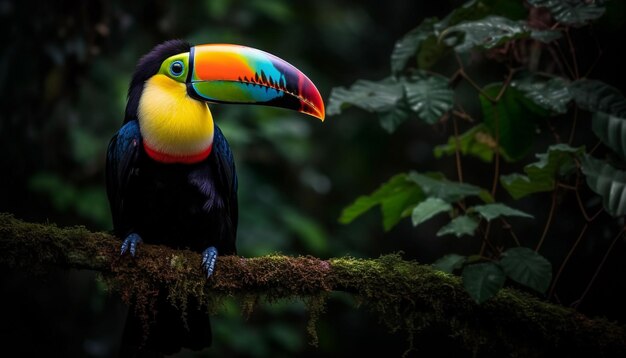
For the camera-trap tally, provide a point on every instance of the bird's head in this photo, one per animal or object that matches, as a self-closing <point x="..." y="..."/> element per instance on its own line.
<point x="174" y="82"/>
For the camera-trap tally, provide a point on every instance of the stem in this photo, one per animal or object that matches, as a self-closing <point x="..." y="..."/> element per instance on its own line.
<point x="555" y="134"/>
<point x="597" y="60"/>
<point x="464" y="116"/>
<point x="457" y="150"/>
<point x="577" y="303"/>
<point x="573" y="130"/>
<point x="496" y="175"/>
<point x="496" y="170"/>
<point x="568" y="187"/>
<point x="557" y="60"/>
<point x="549" y="221"/>
<point x="507" y="226"/>
<point x="595" y="147"/>
<point x="572" y="51"/>
<point x="580" y="203"/>
<point x="483" y="246"/>
<point x="461" y="72"/>
<point x="486" y="240"/>
<point x="505" y="85"/>
<point x="569" y="254"/>
<point x="475" y="85"/>
<point x="572" y="74"/>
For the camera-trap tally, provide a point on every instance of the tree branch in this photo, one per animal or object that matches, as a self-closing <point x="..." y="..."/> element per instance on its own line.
<point x="406" y="295"/>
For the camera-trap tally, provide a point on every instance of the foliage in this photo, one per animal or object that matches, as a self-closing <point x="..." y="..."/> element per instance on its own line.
<point x="608" y="182"/>
<point x="483" y="280"/>
<point x="64" y="73"/>
<point x="427" y="96"/>
<point x="558" y="162"/>
<point x="513" y="116"/>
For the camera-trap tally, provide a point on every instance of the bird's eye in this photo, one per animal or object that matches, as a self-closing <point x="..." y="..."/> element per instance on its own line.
<point x="176" y="68"/>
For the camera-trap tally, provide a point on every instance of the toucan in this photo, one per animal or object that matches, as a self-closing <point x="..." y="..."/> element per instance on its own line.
<point x="170" y="173"/>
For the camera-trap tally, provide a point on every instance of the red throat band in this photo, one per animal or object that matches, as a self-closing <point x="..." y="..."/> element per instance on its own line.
<point x="169" y="159"/>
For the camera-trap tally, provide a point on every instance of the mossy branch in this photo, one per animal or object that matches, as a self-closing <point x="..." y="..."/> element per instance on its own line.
<point x="406" y="295"/>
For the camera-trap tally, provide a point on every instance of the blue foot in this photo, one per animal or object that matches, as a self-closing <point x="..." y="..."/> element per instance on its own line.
<point x="130" y="244"/>
<point x="208" y="260"/>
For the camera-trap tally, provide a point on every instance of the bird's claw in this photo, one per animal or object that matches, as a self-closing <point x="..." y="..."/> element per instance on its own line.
<point x="130" y="244"/>
<point x="209" y="256"/>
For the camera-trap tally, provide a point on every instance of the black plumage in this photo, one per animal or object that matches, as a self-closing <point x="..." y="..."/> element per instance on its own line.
<point x="190" y="206"/>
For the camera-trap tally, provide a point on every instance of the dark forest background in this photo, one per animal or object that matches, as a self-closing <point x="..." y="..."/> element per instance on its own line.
<point x="64" y="73"/>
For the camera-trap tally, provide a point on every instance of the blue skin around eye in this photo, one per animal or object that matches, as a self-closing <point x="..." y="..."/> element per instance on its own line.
<point x="182" y="68"/>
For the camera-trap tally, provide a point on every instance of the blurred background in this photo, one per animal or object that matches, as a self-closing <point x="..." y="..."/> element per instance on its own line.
<point x="64" y="72"/>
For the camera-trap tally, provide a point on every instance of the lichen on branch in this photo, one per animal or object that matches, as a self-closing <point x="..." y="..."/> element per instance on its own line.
<point x="406" y="296"/>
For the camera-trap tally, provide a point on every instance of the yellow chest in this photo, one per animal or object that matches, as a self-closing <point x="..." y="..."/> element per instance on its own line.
<point x="172" y="123"/>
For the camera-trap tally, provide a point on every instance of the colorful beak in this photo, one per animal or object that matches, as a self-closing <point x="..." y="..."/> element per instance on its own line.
<point x="239" y="74"/>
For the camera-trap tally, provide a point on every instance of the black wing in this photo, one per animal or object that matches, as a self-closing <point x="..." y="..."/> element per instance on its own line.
<point x="227" y="177"/>
<point x="122" y="158"/>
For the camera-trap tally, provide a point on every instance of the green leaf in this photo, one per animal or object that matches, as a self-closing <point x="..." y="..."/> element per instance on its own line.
<point x="394" y="197"/>
<point x="381" y="96"/>
<point x="427" y="209"/>
<point x="597" y="96"/>
<point x="611" y="130"/>
<point x="435" y="185"/>
<point x="449" y="263"/>
<point x="608" y="182"/>
<point x="471" y="259"/>
<point x="571" y="12"/>
<point x="410" y="43"/>
<point x="478" y="9"/>
<point x="471" y="10"/>
<point x="459" y="226"/>
<point x="528" y="268"/>
<point x="552" y="94"/>
<point x="487" y="32"/>
<point x="431" y="50"/>
<point x="546" y="36"/>
<point x="476" y="142"/>
<point x="486" y="196"/>
<point x="513" y="117"/>
<point x="392" y="119"/>
<point x="482" y="281"/>
<point x="364" y="203"/>
<point x="429" y="96"/>
<point x="492" y="211"/>
<point x="394" y="207"/>
<point x="540" y="176"/>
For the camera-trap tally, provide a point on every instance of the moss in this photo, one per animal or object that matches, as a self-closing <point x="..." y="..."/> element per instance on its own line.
<point x="406" y="296"/>
<point x="248" y="302"/>
<point x="316" y="306"/>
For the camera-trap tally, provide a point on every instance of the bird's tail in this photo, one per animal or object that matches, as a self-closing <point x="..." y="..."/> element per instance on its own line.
<point x="165" y="329"/>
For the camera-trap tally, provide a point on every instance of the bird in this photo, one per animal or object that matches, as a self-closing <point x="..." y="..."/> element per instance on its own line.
<point x="170" y="173"/>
